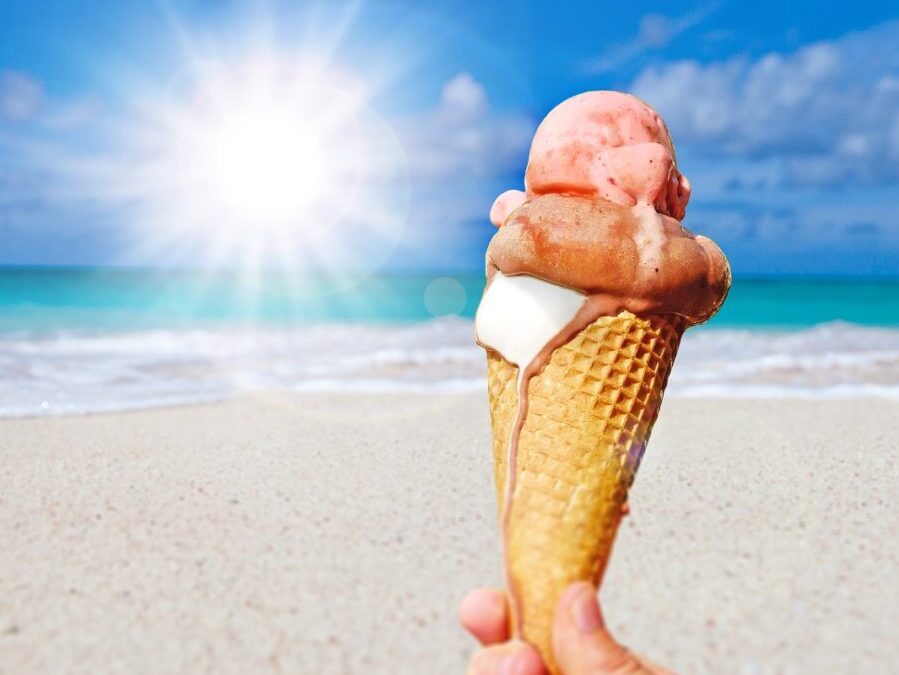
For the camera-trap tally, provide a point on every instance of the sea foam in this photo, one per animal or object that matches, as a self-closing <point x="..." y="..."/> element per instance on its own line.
<point x="81" y="371"/>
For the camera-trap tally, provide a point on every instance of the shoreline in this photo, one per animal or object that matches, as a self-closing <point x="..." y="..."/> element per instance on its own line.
<point x="337" y="534"/>
<point x="146" y="369"/>
<point x="706" y="396"/>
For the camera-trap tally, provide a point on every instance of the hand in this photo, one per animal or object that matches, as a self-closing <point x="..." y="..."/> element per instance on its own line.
<point x="581" y="643"/>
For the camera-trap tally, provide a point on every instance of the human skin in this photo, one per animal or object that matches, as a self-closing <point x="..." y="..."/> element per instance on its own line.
<point x="581" y="643"/>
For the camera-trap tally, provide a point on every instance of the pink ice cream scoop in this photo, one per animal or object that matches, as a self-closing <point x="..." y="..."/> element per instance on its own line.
<point x="603" y="143"/>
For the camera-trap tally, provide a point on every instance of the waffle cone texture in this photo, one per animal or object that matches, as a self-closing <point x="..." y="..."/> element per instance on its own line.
<point x="589" y="415"/>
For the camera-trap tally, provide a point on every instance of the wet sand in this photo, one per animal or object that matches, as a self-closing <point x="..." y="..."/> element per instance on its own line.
<point x="336" y="534"/>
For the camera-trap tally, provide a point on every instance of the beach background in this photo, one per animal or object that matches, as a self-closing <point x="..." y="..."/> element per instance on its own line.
<point x="252" y="481"/>
<point x="82" y="340"/>
<point x="243" y="421"/>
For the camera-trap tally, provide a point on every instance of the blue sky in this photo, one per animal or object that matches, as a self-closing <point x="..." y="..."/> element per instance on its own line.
<point x="785" y="115"/>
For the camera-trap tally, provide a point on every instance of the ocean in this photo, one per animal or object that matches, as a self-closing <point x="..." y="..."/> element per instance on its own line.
<point x="89" y="340"/>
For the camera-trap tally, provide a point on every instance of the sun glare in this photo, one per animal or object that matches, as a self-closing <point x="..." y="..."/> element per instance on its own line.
<point x="273" y="163"/>
<point x="256" y="149"/>
<point x="261" y="164"/>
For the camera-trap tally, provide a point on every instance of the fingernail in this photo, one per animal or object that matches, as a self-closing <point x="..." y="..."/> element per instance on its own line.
<point x="585" y="611"/>
<point x="509" y="664"/>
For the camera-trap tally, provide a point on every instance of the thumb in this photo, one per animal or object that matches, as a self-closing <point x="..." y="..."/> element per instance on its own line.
<point x="581" y="643"/>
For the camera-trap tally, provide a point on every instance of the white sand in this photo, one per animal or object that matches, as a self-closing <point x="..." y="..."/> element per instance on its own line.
<point x="336" y="535"/>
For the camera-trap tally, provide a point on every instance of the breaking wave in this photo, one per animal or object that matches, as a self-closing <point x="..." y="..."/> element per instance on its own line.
<point x="82" y="371"/>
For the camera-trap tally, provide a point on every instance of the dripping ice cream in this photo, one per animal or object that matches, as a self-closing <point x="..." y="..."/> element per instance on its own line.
<point x="591" y="280"/>
<point x="599" y="215"/>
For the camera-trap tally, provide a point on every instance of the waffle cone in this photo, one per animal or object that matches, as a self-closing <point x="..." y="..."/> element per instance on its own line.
<point x="589" y="415"/>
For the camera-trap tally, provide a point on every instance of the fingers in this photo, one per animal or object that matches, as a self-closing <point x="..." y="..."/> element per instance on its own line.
<point x="581" y="643"/>
<point x="511" y="658"/>
<point x="485" y="615"/>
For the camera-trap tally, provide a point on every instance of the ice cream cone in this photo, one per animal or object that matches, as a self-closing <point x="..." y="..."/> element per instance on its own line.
<point x="588" y="417"/>
<point x="592" y="279"/>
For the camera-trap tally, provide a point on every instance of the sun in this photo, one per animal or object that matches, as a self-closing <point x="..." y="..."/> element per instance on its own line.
<point x="272" y="162"/>
<point x="261" y="164"/>
<point x="267" y="147"/>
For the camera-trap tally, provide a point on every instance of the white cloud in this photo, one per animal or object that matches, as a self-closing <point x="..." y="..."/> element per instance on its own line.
<point x="459" y="152"/>
<point x="21" y="96"/>
<point x="828" y="111"/>
<point x="463" y="95"/>
<point x="656" y="31"/>
<point x="23" y="102"/>
<point x="463" y="137"/>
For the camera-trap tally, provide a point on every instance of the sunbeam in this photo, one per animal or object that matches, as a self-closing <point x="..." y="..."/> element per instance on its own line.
<point x="278" y="158"/>
<point x="255" y="157"/>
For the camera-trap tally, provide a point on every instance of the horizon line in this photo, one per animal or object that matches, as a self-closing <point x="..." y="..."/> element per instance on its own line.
<point x="399" y="271"/>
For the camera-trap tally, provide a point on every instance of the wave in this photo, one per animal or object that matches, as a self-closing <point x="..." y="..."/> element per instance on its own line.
<point x="93" y="371"/>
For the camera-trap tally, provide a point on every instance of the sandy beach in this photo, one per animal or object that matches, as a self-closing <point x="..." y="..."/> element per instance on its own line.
<point x="336" y="534"/>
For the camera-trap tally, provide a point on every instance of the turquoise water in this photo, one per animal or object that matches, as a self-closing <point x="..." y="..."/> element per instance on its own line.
<point x="87" y="340"/>
<point x="116" y="299"/>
